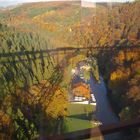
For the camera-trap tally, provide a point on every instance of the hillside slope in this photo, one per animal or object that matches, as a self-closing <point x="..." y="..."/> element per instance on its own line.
<point x="52" y="19"/>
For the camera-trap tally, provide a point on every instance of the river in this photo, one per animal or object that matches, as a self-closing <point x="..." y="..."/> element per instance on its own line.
<point x="104" y="112"/>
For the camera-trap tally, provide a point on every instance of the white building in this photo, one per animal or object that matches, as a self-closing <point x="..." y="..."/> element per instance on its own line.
<point x="85" y="3"/>
<point x="74" y="71"/>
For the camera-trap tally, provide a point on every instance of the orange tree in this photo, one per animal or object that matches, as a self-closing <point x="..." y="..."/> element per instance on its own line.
<point x="81" y="90"/>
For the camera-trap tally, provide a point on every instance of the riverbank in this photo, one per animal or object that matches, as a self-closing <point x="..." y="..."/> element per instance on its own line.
<point x="104" y="112"/>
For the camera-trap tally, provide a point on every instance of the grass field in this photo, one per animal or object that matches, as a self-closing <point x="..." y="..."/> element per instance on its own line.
<point x="79" y="117"/>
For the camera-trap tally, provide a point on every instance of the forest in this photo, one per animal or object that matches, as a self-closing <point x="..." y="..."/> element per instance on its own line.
<point x="26" y="82"/>
<point x="34" y="86"/>
<point x="117" y="27"/>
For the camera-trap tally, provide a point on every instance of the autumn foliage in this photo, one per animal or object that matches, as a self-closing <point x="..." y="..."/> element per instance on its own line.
<point x="51" y="99"/>
<point x="124" y="81"/>
<point x="81" y="90"/>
